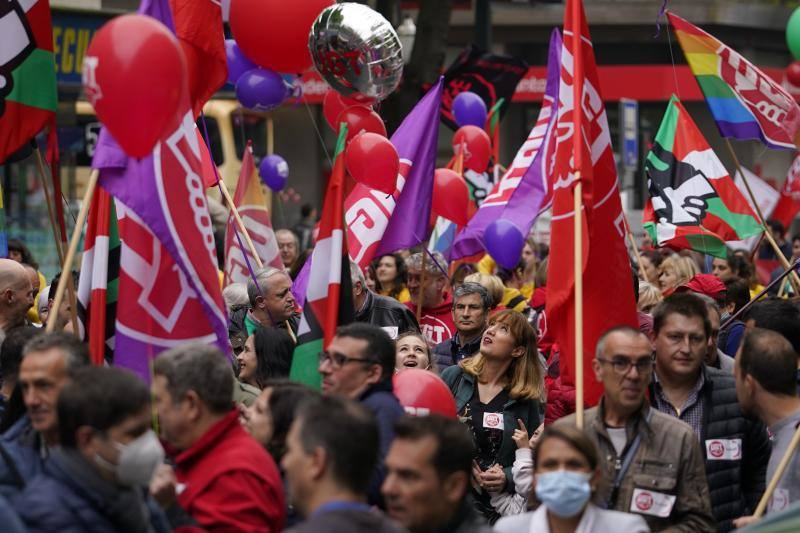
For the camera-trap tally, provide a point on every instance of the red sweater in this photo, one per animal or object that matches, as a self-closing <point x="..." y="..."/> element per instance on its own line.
<point x="231" y="482"/>
<point x="436" y="323"/>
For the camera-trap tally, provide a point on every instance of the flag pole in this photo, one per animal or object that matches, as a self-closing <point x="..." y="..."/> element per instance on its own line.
<point x="240" y="223"/>
<point x="66" y="268"/>
<point x="767" y="233"/>
<point x="421" y="287"/>
<point x="578" y="260"/>
<point x="776" y="477"/>
<point x="635" y="247"/>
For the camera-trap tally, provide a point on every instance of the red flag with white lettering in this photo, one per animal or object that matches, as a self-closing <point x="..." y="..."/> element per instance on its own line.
<point x="789" y="202"/>
<point x="607" y="278"/>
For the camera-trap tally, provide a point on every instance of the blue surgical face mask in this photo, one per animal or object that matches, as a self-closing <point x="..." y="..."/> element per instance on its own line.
<point x="563" y="492"/>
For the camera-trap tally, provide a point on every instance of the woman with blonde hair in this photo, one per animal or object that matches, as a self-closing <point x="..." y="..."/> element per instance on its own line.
<point x="674" y="271"/>
<point x="495" y="389"/>
<point x="649" y="296"/>
<point x="502" y="297"/>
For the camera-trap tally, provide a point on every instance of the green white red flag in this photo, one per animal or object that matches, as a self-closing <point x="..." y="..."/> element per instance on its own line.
<point x="694" y="204"/>
<point x="99" y="278"/>
<point x="329" y="297"/>
<point x="28" y="95"/>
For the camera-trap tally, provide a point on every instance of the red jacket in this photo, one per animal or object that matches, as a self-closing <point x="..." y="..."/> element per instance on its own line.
<point x="436" y="323"/>
<point x="230" y="482"/>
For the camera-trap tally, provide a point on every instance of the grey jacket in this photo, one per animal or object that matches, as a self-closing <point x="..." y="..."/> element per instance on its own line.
<point x="667" y="473"/>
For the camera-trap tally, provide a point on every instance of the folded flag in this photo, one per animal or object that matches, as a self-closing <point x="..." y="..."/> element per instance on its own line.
<point x="789" y="202"/>
<point x="745" y="102"/>
<point x="329" y="296"/>
<point x="694" y="204"/>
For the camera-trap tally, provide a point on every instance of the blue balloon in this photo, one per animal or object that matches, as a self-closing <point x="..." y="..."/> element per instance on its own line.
<point x="261" y="89"/>
<point x="238" y="64"/>
<point x="274" y="172"/>
<point x="504" y="242"/>
<point x="469" y="110"/>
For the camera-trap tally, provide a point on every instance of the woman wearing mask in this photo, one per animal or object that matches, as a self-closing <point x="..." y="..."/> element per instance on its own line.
<point x="565" y="477"/>
<point x="412" y="352"/>
<point x="391" y="277"/>
<point x="494" y="389"/>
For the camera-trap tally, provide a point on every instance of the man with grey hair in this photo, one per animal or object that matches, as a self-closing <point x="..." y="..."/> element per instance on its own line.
<point x="48" y="362"/>
<point x="230" y="482"/>
<point x="387" y="313"/>
<point x="272" y="305"/>
<point x="471" y="304"/>
<point x="289" y="247"/>
<point x="436" y="320"/>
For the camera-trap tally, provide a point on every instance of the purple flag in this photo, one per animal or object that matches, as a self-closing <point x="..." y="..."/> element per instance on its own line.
<point x="378" y="223"/>
<point x="169" y="289"/>
<point x="524" y="190"/>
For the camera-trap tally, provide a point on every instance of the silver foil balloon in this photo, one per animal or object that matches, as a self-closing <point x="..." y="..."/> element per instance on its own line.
<point x="356" y="51"/>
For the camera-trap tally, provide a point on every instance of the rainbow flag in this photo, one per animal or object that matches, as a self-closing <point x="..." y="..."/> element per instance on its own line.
<point x="745" y="102"/>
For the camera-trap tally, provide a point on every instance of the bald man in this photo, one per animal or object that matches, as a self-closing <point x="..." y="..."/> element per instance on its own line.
<point x="288" y="245"/>
<point x="16" y="295"/>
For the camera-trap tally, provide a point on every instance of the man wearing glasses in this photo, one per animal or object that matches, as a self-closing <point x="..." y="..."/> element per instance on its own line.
<point x="359" y="365"/>
<point x="735" y="449"/>
<point x="651" y="462"/>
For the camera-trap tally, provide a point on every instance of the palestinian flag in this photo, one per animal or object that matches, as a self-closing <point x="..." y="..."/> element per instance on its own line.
<point x="329" y="297"/>
<point x="27" y="72"/>
<point x="97" y="286"/>
<point x="694" y="204"/>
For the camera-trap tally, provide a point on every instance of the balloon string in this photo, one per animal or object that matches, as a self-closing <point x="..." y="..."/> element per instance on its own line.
<point x="435" y="262"/>
<point x="316" y="129"/>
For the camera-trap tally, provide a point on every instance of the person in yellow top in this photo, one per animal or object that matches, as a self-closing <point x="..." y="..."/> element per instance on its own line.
<point x="391" y="277"/>
<point x="524" y="272"/>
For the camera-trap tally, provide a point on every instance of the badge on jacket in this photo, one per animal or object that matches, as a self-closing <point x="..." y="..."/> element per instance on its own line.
<point x="493" y="421"/>
<point x="724" y="449"/>
<point x="652" y="503"/>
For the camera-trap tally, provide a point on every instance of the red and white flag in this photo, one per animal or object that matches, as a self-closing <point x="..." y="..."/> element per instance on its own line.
<point x="607" y="278"/>
<point x="789" y="202"/>
<point x="249" y="199"/>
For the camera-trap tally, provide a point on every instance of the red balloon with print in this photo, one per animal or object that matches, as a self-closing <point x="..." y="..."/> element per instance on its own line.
<point x="793" y="73"/>
<point x="450" y="196"/>
<point x="333" y="104"/>
<point x="134" y="75"/>
<point x="360" y="119"/>
<point x="274" y="33"/>
<point x="373" y="161"/>
<point x="477" y="147"/>
<point x="422" y="393"/>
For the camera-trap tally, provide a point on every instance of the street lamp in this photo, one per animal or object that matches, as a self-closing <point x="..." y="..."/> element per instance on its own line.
<point x="407" y="31"/>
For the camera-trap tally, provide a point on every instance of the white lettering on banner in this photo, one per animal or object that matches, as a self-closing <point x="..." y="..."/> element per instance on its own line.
<point x="619" y="224"/>
<point x="92" y="89"/>
<point x="724" y="449"/>
<point x="652" y="503"/>
<point x="367" y="222"/>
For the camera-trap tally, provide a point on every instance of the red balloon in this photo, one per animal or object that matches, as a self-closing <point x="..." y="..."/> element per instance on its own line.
<point x="333" y="104"/>
<point x="134" y="75"/>
<point x="422" y="393"/>
<point x="793" y="73"/>
<point x="274" y="33"/>
<point x="373" y="161"/>
<point x="450" y="196"/>
<point x="477" y="147"/>
<point x="361" y="119"/>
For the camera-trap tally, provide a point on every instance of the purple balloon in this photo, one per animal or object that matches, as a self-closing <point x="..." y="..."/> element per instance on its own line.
<point x="261" y="89"/>
<point x="274" y="172"/>
<point x="504" y="242"/>
<point x="238" y="64"/>
<point x="469" y="109"/>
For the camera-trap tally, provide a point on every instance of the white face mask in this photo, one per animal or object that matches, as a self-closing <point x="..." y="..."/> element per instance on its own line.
<point x="137" y="460"/>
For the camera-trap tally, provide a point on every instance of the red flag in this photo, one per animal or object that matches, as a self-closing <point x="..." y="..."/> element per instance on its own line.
<point x="789" y="203"/>
<point x="607" y="278"/>
<point x="198" y="25"/>
<point x="252" y="205"/>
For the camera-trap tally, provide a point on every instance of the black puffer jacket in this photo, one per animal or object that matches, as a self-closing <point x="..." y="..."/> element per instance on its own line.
<point x="735" y="484"/>
<point x="388" y="314"/>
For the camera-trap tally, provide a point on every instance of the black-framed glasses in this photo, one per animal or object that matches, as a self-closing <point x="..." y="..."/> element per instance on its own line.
<point x="622" y="365"/>
<point x="338" y="360"/>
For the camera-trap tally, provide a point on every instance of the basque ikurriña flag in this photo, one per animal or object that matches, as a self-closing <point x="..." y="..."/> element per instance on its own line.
<point x="169" y="291"/>
<point x="378" y="223"/>
<point x="99" y="278"/>
<point x="329" y="296"/>
<point x="28" y="95"/>
<point x="745" y="102"/>
<point x="249" y="199"/>
<point x="525" y="189"/>
<point x="590" y="158"/>
<point x="694" y="204"/>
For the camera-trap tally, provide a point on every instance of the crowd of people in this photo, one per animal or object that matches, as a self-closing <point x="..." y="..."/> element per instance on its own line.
<point x="692" y="423"/>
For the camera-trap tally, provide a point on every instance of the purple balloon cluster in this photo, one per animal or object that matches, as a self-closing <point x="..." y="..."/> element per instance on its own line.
<point x="259" y="89"/>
